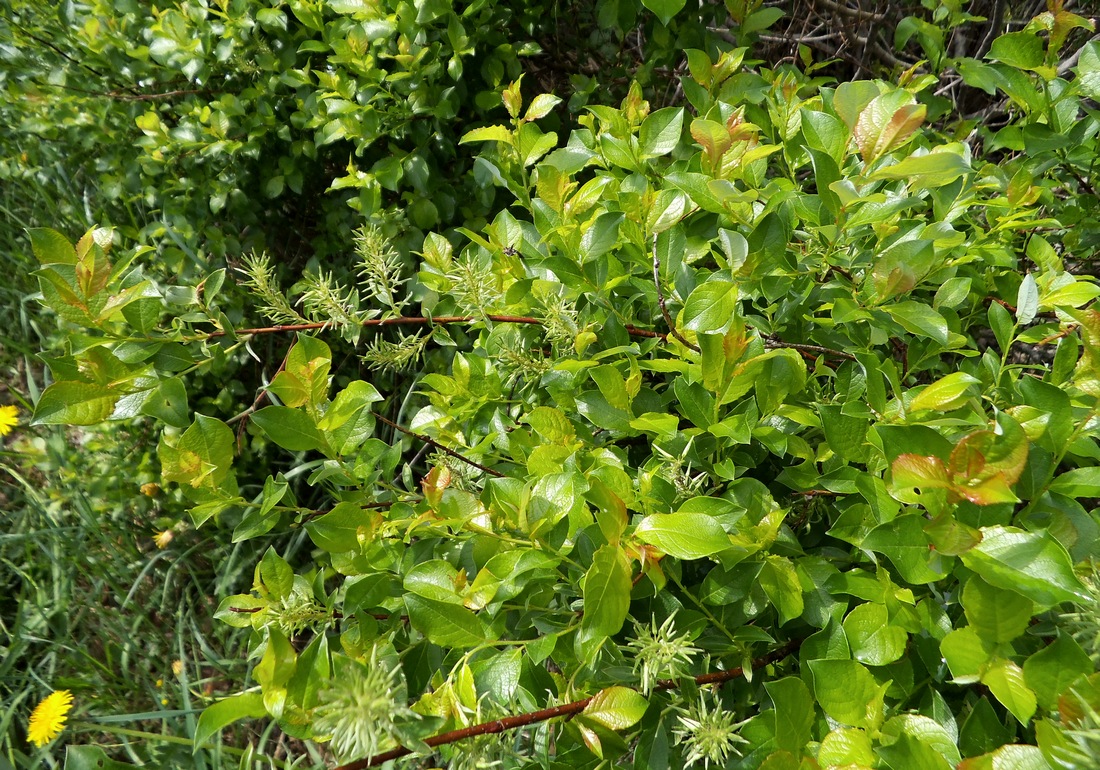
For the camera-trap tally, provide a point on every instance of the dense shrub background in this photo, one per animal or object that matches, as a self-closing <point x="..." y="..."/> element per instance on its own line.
<point x="875" y="272"/>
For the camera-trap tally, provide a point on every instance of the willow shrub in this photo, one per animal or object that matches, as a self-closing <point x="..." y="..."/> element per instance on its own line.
<point x="755" y="433"/>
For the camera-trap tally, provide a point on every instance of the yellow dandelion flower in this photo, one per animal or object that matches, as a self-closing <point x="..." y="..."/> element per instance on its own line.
<point x="164" y="538"/>
<point x="9" y="418"/>
<point x="48" y="719"/>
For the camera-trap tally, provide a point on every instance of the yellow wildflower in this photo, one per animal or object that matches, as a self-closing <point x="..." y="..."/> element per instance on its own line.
<point x="164" y="538"/>
<point x="9" y="418"/>
<point x="48" y="719"/>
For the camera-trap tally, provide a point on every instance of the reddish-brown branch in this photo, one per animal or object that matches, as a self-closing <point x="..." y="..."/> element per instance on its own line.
<point x="432" y="442"/>
<point x="421" y="321"/>
<point x="566" y="709"/>
<point x="633" y="331"/>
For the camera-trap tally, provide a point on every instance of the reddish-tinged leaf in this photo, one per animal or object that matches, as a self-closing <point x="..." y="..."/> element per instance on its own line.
<point x="887" y="123"/>
<point x="919" y="471"/>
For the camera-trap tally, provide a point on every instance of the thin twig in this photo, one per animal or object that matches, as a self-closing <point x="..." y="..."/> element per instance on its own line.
<point x="566" y="709"/>
<point x="310" y="515"/>
<point x="775" y="342"/>
<point x="661" y="299"/>
<point x="62" y="53"/>
<point x="437" y="445"/>
<point x="854" y="13"/>
<point x="256" y="403"/>
<point x="125" y="97"/>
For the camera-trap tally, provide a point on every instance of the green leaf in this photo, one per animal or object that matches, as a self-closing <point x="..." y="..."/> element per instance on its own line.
<point x="348" y="404"/>
<point x="947" y="393"/>
<point x="1088" y="70"/>
<point x="1017" y="757"/>
<point x="91" y="758"/>
<point x="668" y="208"/>
<point x="201" y="456"/>
<point x="847" y="692"/>
<point x="1050" y="671"/>
<point x="711" y="307"/>
<point x="271" y="18"/>
<point x="663" y="425"/>
<point x="904" y="542"/>
<point x="996" y="614"/>
<point x="236" y="610"/>
<point x="660" y="132"/>
<point x="793" y="712"/>
<point x="845" y="433"/>
<point x="616" y="708"/>
<point x="249" y="705"/>
<point x="1032" y="563"/>
<point x="825" y="133"/>
<point x="75" y="403"/>
<point x="1006" y="681"/>
<point x="781" y="584"/>
<point x="927" y="731"/>
<point x="600" y="236"/>
<point x="872" y="639"/>
<point x="487" y="134"/>
<point x="851" y="98"/>
<point x="1027" y="300"/>
<point x="51" y="247"/>
<point x="168" y="403"/>
<point x="761" y="19"/>
<point x="899" y="268"/>
<point x="595" y="407"/>
<point x="934" y="169"/>
<point x="952" y="292"/>
<point x="338" y="530"/>
<point x="683" y="535"/>
<point x="532" y="143"/>
<point x="966" y="654"/>
<point x="846" y="746"/>
<point x="291" y="429"/>
<point x="444" y="623"/>
<point x="1023" y="50"/>
<point x="919" y="319"/>
<point x="1078" y="482"/>
<point x="910" y="753"/>
<point x="276" y="575"/>
<point x="540" y="106"/>
<point x="606" y="595"/>
<point x="665" y="9"/>
<point x="1075" y="294"/>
